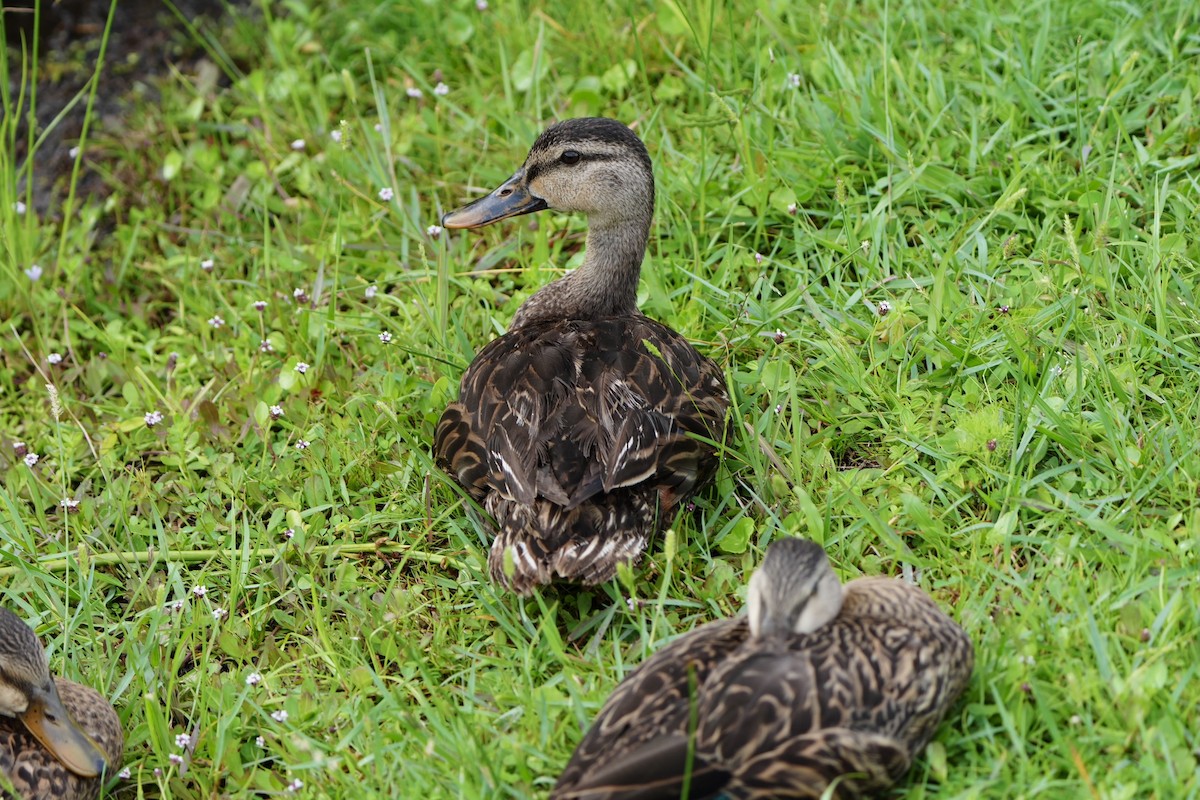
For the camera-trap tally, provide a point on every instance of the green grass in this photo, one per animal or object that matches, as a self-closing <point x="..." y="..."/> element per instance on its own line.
<point x="1017" y="181"/>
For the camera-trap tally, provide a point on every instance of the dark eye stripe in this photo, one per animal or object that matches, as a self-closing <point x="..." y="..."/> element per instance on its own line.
<point x="800" y="604"/>
<point x="533" y="170"/>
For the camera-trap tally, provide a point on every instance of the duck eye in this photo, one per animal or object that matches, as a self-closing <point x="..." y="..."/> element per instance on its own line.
<point x="569" y="157"/>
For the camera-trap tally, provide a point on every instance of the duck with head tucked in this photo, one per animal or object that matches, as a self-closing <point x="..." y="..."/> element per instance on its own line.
<point x="584" y="427"/>
<point x="820" y="685"/>
<point x="58" y="740"/>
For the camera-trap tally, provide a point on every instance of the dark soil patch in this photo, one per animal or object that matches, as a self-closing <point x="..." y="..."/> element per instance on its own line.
<point x="147" y="38"/>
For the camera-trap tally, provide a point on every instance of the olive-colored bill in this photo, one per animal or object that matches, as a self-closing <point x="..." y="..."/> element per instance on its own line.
<point x="47" y="719"/>
<point x="511" y="199"/>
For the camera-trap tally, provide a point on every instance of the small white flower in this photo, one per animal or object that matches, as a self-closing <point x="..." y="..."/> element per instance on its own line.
<point x="70" y="504"/>
<point x="295" y="786"/>
<point x="152" y="418"/>
<point x="175" y="759"/>
<point x="216" y="321"/>
<point x="200" y="590"/>
<point x="266" y="347"/>
<point x="207" y="265"/>
<point x="183" y="740"/>
<point x="54" y="358"/>
<point x="289" y="533"/>
<point x="254" y="678"/>
<point x="298" y="144"/>
<point x="865" y="244"/>
<point x="414" y="93"/>
<point x="793" y="80"/>
<point x="758" y="258"/>
<point x="481" y="5"/>
<point x="792" y="209"/>
<point x="279" y="716"/>
<point x="1076" y="719"/>
<point x="301" y="367"/>
<point x="336" y="135"/>
<point x="441" y="90"/>
<point x="178" y="605"/>
<point x="385" y="337"/>
<point x="884" y="308"/>
<point x="302" y="444"/>
<point x="434" y="231"/>
<point x="386" y="194"/>
<point x="73" y="152"/>
<point x="260" y="741"/>
<point x="300" y="295"/>
<point x="31" y="459"/>
<point x="124" y="774"/>
<point x="260" y="305"/>
<point x="379" y="127"/>
<point x="219" y="614"/>
<point x="33" y="272"/>
<point x="371" y="291"/>
<point x="18" y="445"/>
<point x="276" y="412"/>
<point x="19" y="207"/>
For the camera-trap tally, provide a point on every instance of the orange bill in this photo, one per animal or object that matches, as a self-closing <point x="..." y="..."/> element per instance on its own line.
<point x="47" y="719"/>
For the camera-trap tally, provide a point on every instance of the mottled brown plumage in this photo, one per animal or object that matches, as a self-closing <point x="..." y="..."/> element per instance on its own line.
<point x="583" y="428"/>
<point x="74" y="724"/>
<point x="821" y="682"/>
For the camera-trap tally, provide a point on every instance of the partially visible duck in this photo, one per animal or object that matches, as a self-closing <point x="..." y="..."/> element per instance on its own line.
<point x="58" y="740"/>
<point x="819" y="682"/>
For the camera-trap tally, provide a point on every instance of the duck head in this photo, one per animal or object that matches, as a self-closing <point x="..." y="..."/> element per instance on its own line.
<point x="795" y="591"/>
<point x="28" y="692"/>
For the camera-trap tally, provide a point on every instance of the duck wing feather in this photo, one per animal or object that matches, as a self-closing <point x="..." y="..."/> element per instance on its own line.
<point x="629" y="747"/>
<point x="578" y="437"/>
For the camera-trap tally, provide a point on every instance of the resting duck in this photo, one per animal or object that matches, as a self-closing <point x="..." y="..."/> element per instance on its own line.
<point x="57" y="738"/>
<point x="819" y="682"/>
<point x="584" y="427"/>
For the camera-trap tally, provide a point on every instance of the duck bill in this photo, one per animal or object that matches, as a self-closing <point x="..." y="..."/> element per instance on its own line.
<point x="47" y="719"/>
<point x="511" y="199"/>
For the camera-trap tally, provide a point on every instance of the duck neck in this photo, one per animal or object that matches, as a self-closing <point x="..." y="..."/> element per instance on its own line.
<point x="604" y="285"/>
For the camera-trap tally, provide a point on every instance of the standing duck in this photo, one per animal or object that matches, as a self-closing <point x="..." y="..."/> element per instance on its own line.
<point x="57" y="738"/>
<point x="820" y="685"/>
<point x="584" y="427"/>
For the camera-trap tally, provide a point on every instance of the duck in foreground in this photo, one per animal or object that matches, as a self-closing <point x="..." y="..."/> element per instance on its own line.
<point x="818" y="683"/>
<point x="584" y="427"/>
<point x="57" y="738"/>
